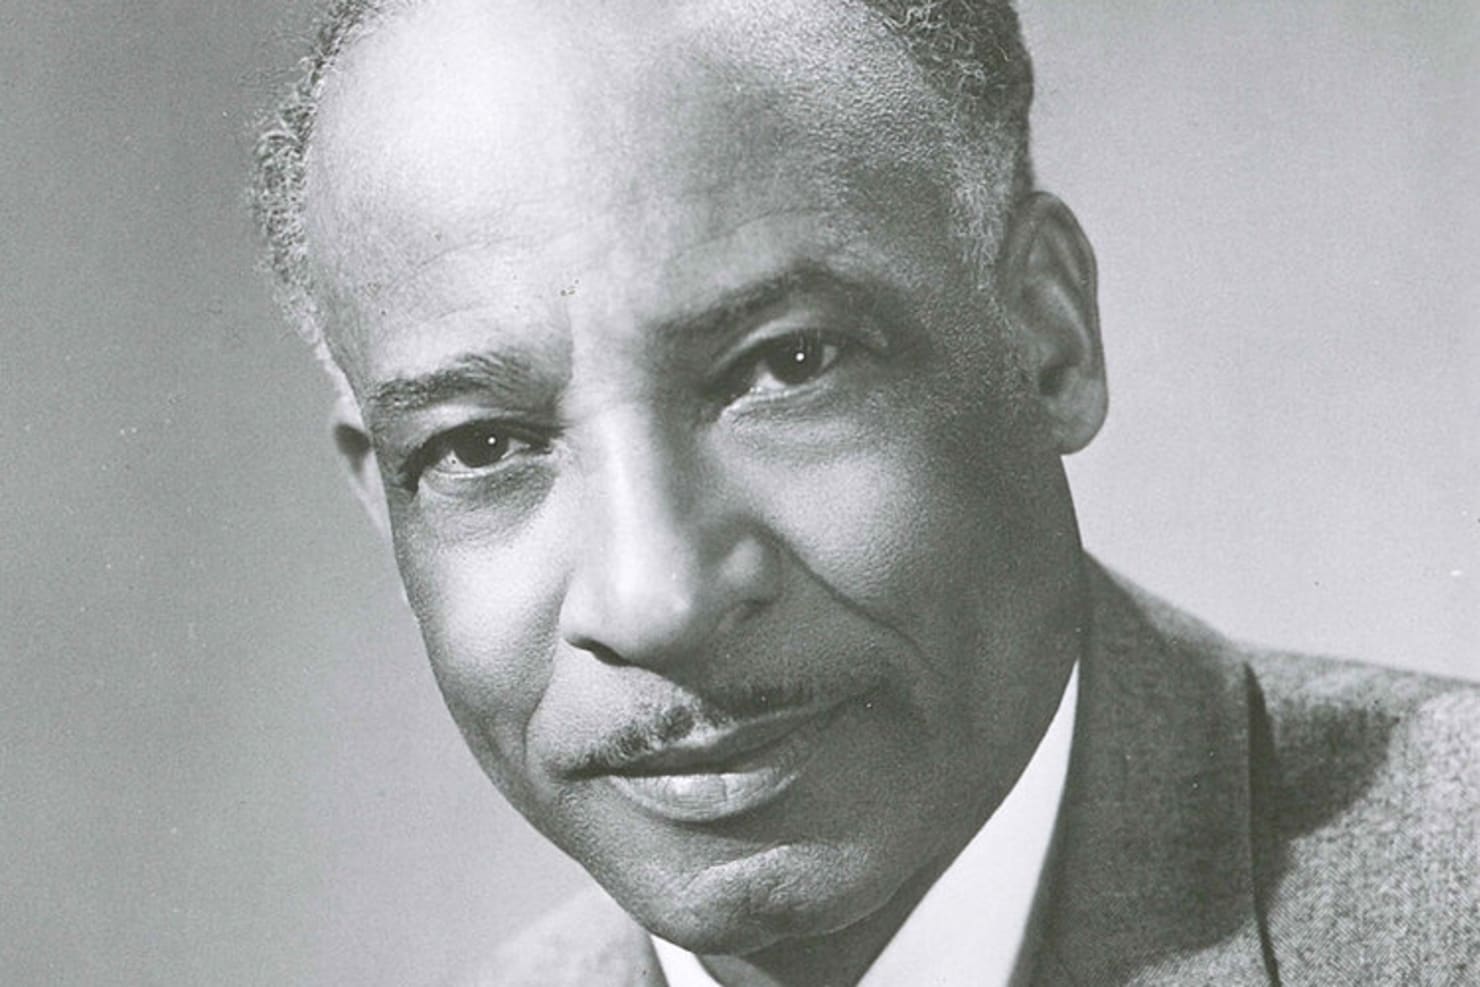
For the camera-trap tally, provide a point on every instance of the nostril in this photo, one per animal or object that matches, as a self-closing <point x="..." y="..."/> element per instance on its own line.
<point x="582" y="638"/>
<point x="739" y="614"/>
<point x="601" y="652"/>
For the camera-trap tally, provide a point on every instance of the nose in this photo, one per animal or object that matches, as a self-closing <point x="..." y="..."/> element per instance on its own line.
<point x="669" y="557"/>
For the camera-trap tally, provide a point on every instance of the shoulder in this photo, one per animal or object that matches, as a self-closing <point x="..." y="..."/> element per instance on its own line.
<point x="1364" y="798"/>
<point x="1339" y="730"/>
<point x="1348" y="739"/>
<point x="1369" y="784"/>
<point x="588" y="940"/>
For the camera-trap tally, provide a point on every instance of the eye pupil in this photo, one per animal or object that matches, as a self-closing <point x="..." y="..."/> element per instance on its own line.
<point x="797" y="359"/>
<point x="480" y="448"/>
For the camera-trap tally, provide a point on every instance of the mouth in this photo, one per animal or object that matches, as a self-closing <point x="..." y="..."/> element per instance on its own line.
<point x="731" y="771"/>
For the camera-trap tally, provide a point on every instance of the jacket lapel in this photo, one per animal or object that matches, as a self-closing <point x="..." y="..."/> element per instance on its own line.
<point x="1151" y="876"/>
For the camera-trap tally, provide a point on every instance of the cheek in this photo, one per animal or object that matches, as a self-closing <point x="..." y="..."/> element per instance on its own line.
<point x="934" y="531"/>
<point x="908" y="528"/>
<point x="488" y="616"/>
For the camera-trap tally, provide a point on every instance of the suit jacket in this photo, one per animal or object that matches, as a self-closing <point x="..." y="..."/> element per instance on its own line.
<point x="1231" y="816"/>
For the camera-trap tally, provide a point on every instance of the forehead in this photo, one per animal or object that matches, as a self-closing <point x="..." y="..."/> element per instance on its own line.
<point x="630" y="136"/>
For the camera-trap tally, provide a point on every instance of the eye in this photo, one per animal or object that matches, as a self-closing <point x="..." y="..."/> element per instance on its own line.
<point x="785" y="362"/>
<point x="473" y="449"/>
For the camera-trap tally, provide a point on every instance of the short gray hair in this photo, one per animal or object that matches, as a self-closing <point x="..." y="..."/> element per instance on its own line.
<point x="970" y="52"/>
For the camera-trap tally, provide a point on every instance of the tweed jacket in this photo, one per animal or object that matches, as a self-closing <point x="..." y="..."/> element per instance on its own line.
<point x="1231" y="817"/>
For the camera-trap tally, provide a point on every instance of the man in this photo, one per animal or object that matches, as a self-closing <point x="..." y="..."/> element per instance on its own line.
<point x="710" y="365"/>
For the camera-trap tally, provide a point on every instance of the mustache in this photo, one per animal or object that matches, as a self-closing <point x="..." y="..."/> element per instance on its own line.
<point x="673" y="724"/>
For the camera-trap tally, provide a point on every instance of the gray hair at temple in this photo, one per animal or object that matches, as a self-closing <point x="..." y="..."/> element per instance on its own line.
<point x="970" y="52"/>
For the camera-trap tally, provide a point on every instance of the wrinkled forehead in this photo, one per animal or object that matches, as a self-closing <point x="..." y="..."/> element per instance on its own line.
<point x="458" y="118"/>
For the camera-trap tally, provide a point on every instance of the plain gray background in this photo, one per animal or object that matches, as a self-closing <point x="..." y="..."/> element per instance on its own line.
<point x="222" y="759"/>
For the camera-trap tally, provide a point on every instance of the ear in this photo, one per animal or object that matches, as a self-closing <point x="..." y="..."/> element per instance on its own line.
<point x="1048" y="284"/>
<point x="353" y="441"/>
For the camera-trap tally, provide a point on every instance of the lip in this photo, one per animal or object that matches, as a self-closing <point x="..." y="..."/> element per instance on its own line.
<point x="734" y="771"/>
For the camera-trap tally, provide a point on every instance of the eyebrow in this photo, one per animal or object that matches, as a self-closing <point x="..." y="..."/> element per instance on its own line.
<point x="464" y="375"/>
<point x="746" y="303"/>
<point x="484" y="373"/>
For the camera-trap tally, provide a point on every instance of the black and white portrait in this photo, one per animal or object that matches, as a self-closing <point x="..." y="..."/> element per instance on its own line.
<point x="712" y="492"/>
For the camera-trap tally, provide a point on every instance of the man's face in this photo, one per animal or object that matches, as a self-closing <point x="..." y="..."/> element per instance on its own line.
<point x="733" y="550"/>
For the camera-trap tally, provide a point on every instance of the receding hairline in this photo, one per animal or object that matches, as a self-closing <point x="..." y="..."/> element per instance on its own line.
<point x="985" y="98"/>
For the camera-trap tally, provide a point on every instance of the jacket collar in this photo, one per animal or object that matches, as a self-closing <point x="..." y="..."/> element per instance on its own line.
<point x="1151" y="879"/>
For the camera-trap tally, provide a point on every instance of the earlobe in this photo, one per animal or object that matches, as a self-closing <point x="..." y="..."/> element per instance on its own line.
<point x="352" y="440"/>
<point x="1049" y="286"/>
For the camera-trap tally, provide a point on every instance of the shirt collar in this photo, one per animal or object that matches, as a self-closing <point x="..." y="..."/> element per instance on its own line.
<point x="970" y="925"/>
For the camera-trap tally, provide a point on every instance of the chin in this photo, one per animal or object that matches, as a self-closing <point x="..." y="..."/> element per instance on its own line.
<point x="747" y="905"/>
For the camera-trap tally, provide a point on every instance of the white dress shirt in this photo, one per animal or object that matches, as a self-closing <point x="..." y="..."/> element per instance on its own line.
<point x="969" y="927"/>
